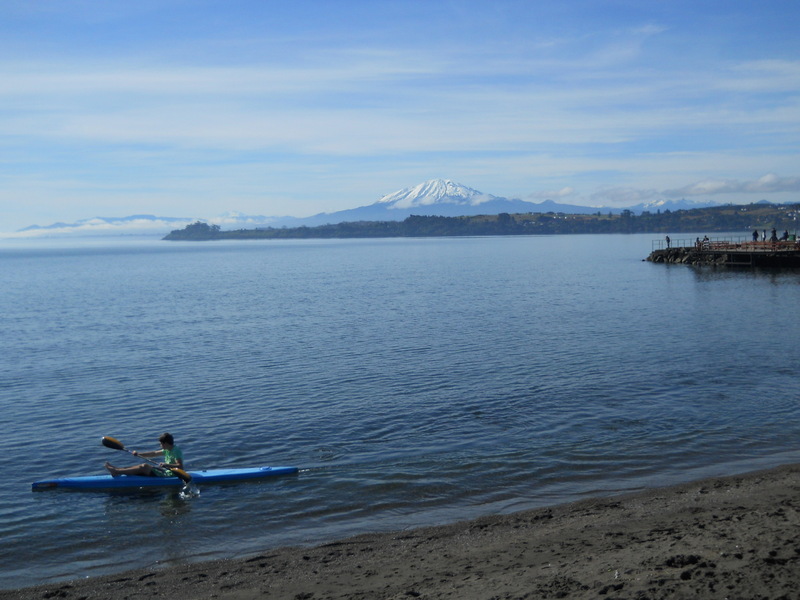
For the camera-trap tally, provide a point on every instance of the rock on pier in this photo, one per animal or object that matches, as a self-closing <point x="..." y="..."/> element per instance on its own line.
<point x="730" y="254"/>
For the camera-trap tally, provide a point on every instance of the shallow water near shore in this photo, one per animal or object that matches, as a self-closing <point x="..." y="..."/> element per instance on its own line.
<point x="414" y="382"/>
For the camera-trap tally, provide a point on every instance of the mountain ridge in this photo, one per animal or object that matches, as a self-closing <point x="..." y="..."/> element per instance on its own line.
<point x="434" y="197"/>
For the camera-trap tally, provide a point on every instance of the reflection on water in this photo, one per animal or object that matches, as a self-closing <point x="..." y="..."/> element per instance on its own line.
<point x="738" y="274"/>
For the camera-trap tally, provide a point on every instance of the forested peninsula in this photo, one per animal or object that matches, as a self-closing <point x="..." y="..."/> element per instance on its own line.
<point x="727" y="218"/>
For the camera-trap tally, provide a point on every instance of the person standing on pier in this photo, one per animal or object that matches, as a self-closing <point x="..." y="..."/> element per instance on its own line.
<point x="755" y="235"/>
<point x="667" y="241"/>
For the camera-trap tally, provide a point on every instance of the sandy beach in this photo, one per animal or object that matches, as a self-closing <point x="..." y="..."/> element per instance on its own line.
<point x="735" y="537"/>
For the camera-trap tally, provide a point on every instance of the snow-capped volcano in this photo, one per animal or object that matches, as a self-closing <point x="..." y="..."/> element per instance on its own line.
<point x="435" y="197"/>
<point x="434" y="191"/>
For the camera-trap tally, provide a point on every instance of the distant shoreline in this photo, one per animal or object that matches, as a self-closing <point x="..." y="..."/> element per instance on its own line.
<point x="715" y="219"/>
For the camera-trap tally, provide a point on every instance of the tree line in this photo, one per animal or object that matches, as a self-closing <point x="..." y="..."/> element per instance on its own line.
<point x="719" y="218"/>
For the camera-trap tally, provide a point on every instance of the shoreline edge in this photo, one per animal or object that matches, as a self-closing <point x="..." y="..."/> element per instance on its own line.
<point x="723" y="537"/>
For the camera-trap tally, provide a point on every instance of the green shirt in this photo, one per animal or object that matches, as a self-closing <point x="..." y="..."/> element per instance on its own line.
<point x="172" y="457"/>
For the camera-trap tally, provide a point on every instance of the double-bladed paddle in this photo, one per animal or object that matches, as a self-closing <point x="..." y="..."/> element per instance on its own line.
<point x="114" y="444"/>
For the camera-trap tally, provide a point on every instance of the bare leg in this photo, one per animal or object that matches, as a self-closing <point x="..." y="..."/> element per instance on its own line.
<point x="143" y="469"/>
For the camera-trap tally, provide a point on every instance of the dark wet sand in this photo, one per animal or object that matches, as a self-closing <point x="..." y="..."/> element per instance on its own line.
<point x="736" y="537"/>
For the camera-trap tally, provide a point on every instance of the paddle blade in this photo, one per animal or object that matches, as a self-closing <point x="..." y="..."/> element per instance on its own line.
<point x="110" y="442"/>
<point x="182" y="475"/>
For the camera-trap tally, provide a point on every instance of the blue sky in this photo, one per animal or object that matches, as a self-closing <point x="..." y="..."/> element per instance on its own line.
<point x="193" y="108"/>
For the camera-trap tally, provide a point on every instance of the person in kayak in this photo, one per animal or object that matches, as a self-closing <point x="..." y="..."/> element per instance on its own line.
<point x="173" y="457"/>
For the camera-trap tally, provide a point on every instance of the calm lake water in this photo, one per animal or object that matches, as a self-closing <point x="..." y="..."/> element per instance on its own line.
<point x="413" y="381"/>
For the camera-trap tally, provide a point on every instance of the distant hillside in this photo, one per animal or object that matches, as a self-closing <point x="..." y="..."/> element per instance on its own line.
<point x="699" y="220"/>
<point x="435" y="197"/>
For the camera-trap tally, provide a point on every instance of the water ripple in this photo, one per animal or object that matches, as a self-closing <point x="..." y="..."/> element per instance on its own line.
<point x="415" y="381"/>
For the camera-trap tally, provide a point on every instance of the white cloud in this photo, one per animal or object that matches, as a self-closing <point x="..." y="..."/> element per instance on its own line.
<point x="767" y="184"/>
<point x="762" y="77"/>
<point x="649" y="29"/>
<point x="346" y="102"/>
<point x="622" y="196"/>
<point x="100" y="227"/>
<point x="563" y="194"/>
<point x="135" y="80"/>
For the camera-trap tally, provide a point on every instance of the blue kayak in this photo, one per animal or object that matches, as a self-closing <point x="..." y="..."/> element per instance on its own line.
<point x="102" y="482"/>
